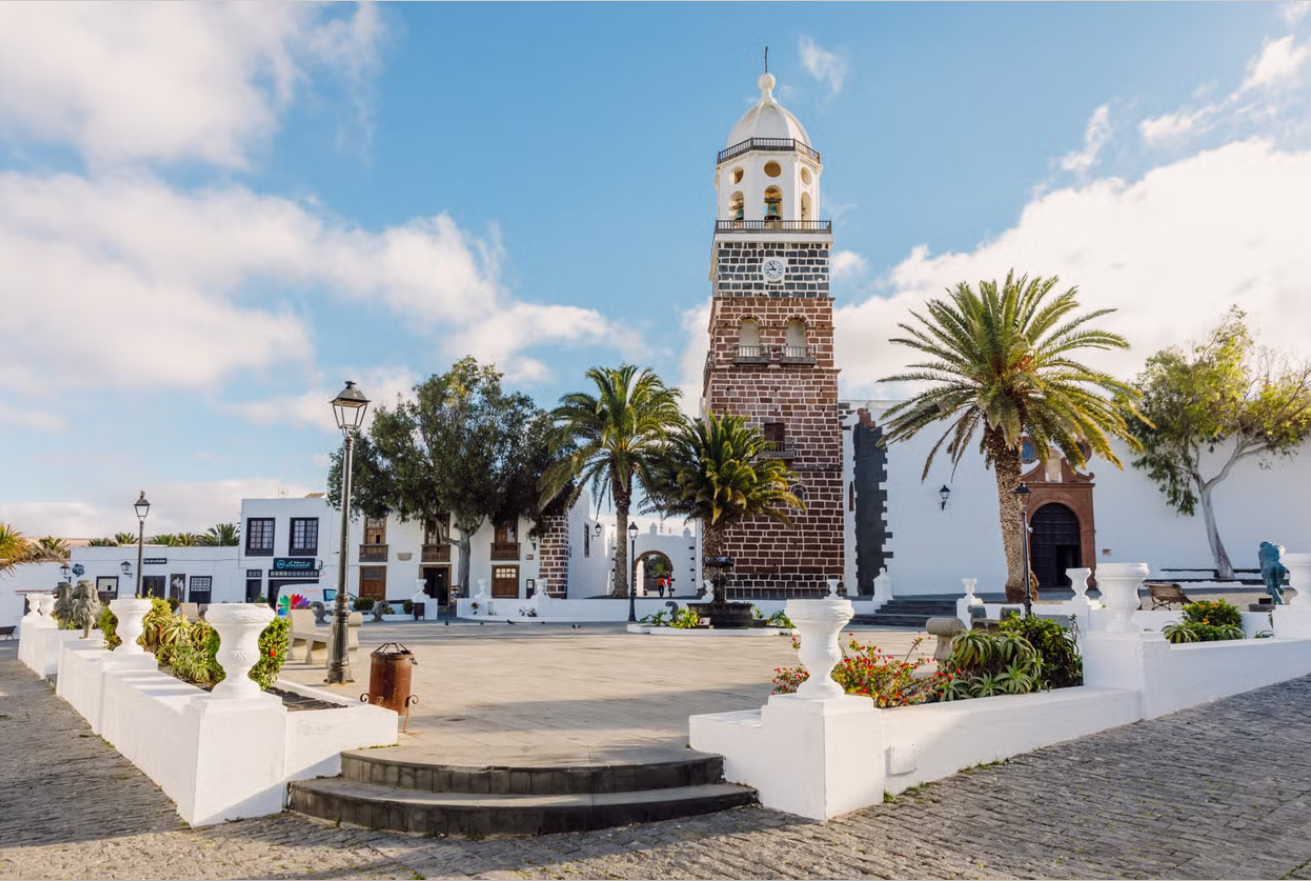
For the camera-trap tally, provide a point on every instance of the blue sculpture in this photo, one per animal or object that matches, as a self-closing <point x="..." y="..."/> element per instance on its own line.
<point x="1272" y="571"/>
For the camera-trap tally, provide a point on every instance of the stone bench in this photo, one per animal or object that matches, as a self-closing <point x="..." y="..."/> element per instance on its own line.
<point x="303" y="630"/>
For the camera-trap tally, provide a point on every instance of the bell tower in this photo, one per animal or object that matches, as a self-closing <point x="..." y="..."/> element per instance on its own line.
<point x="771" y="343"/>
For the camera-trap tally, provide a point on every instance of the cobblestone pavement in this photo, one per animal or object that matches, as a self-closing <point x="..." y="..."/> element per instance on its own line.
<point x="1218" y="792"/>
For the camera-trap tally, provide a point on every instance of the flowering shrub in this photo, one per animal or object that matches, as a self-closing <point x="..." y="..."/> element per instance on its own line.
<point x="1217" y="613"/>
<point x="685" y="619"/>
<point x="887" y="680"/>
<point x="1206" y="621"/>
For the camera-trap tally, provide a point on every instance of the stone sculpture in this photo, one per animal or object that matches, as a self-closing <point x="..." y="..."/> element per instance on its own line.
<point x="1272" y="571"/>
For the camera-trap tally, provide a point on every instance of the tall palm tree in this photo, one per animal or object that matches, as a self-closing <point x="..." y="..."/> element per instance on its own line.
<point x="607" y="440"/>
<point x="715" y="471"/>
<point x="187" y="540"/>
<point x="225" y="535"/>
<point x="999" y="361"/>
<point x="167" y="539"/>
<point x="17" y="550"/>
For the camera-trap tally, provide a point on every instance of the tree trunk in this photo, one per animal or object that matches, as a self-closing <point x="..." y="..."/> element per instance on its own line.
<point x="463" y="544"/>
<point x="712" y="545"/>
<point x="1006" y="467"/>
<point x="621" y="544"/>
<point x="1223" y="568"/>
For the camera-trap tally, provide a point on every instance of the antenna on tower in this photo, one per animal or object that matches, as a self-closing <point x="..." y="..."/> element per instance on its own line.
<point x="766" y="59"/>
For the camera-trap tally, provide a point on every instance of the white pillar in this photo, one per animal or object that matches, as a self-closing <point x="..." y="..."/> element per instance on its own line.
<point x="131" y="615"/>
<point x="818" y="623"/>
<point x="239" y="626"/>
<point x="33" y="605"/>
<point x="1119" y="585"/>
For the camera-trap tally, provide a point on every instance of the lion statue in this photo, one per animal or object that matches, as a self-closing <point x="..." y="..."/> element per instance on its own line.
<point x="1272" y="571"/>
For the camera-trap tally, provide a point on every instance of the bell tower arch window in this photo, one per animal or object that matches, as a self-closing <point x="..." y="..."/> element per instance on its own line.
<point x="795" y="339"/>
<point x="805" y="206"/>
<point x="737" y="206"/>
<point x="748" y="339"/>
<point x="773" y="204"/>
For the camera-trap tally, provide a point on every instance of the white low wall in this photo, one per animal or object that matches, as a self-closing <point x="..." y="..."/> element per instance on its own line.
<point x="822" y="757"/>
<point x="595" y="611"/>
<point x="39" y="644"/>
<point x="218" y="758"/>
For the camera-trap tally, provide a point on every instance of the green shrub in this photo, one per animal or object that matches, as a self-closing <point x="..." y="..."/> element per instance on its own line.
<point x="780" y="619"/>
<point x="108" y="624"/>
<point x="1062" y="667"/>
<point x="272" y="652"/>
<point x="686" y="618"/>
<point x="1192" y="631"/>
<point x="408" y="607"/>
<point x="656" y="620"/>
<point x="984" y="664"/>
<point x="1216" y="613"/>
<point x="363" y="604"/>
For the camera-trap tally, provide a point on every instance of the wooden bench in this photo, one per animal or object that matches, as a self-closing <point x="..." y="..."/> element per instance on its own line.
<point x="303" y="630"/>
<point x="8" y="632"/>
<point x="1166" y="594"/>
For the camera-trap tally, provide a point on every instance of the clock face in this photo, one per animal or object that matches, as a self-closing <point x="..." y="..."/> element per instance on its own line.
<point x="773" y="269"/>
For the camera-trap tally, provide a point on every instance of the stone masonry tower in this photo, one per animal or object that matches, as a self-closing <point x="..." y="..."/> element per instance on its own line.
<point x="771" y="343"/>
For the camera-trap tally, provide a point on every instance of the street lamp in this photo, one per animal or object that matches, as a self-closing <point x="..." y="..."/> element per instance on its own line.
<point x="348" y="407"/>
<point x="632" y="582"/>
<point x="142" y="507"/>
<point x="67" y="573"/>
<point x="1022" y="496"/>
<point x="944" y="494"/>
<point x="127" y="573"/>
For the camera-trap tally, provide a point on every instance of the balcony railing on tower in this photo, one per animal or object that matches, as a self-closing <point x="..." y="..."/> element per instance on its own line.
<point x="751" y="354"/>
<point x="782" y="145"/>
<point x="797" y="354"/>
<point x="772" y="226"/>
<point x="780" y="449"/>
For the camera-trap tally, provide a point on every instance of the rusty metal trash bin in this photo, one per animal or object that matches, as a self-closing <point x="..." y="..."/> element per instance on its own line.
<point x="389" y="679"/>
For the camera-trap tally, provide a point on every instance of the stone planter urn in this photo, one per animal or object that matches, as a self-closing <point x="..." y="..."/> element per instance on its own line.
<point x="818" y="623"/>
<point x="131" y="614"/>
<point x="1119" y="585"/>
<point x="33" y="606"/>
<point x="46" y="602"/>
<point x="969" y="584"/>
<point x="1299" y="573"/>
<point x="239" y="626"/>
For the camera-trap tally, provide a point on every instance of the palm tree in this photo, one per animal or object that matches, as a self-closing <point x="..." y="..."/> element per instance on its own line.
<point x="715" y="471"/>
<point x="227" y="535"/>
<point x="187" y="540"/>
<point x="164" y="538"/>
<point x="50" y="548"/>
<point x="123" y="539"/>
<point x="1000" y="362"/>
<point x="608" y="439"/>
<point x="102" y="543"/>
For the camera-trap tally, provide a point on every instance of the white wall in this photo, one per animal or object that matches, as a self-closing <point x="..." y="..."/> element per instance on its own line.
<point x="933" y="548"/>
<point x="217" y="563"/>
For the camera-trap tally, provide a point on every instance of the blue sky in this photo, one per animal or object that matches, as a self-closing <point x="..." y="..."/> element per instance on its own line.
<point x="211" y="215"/>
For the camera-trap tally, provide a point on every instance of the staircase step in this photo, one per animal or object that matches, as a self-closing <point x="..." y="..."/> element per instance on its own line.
<point x="689" y="769"/>
<point x="452" y="813"/>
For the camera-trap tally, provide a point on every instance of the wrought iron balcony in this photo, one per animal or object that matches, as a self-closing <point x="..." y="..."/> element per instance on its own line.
<point x="798" y="355"/>
<point x="774" y="226"/>
<point x="505" y="550"/>
<point x="780" y="449"/>
<point x="373" y="553"/>
<point x="438" y="553"/>
<point x="751" y="355"/>
<point x="779" y="145"/>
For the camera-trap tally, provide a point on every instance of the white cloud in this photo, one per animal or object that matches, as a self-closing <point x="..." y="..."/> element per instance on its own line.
<point x="825" y="66"/>
<point x="1171" y="251"/>
<point x="844" y="265"/>
<point x="174" y="288"/>
<point x="383" y="387"/>
<point x="695" y="323"/>
<point x="1095" y="136"/>
<point x="1293" y="11"/>
<point x="175" y="507"/>
<point x="126" y="81"/>
<point x="1277" y="66"/>
<point x="1174" y="127"/>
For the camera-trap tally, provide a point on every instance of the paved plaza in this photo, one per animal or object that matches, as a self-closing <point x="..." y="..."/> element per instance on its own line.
<point x="1222" y="791"/>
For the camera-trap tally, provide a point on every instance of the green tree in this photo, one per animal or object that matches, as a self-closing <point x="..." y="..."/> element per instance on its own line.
<point x="167" y="539"/>
<point x="188" y="540"/>
<point x="999" y="363"/>
<point x="102" y="543"/>
<point x="715" y="471"/>
<point x="608" y="440"/>
<point x="463" y="446"/>
<point x="123" y="539"/>
<point x="50" y="548"/>
<point x="225" y="535"/>
<point x="1212" y="407"/>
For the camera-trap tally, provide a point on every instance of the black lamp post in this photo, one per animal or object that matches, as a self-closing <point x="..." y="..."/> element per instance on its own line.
<point x="127" y="573"/>
<point x="632" y="582"/>
<point x="348" y="407"/>
<point x="142" y="507"/>
<point x="67" y="573"/>
<point x="944" y="494"/>
<point x="1022" y="496"/>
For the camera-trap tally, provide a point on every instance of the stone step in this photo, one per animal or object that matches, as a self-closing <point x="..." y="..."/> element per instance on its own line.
<point x="376" y="767"/>
<point x="916" y="621"/>
<point x="452" y="813"/>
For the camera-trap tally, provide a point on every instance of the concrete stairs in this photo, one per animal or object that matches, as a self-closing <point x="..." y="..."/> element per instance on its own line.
<point x="379" y="792"/>
<point x="910" y="611"/>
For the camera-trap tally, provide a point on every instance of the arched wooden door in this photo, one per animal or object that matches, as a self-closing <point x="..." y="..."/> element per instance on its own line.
<point x="1054" y="544"/>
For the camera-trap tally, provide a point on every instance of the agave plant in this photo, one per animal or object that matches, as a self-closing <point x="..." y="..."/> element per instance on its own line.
<point x="1178" y="633"/>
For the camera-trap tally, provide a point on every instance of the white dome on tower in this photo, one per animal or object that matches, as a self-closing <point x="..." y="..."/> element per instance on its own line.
<point x="768" y="119"/>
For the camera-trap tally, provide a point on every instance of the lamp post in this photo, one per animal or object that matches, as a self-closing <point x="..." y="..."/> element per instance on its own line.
<point x="632" y="581"/>
<point x="348" y="407"/>
<point x="1022" y="496"/>
<point x="127" y="573"/>
<point x="142" y="507"/>
<point x="944" y="494"/>
<point x="67" y="573"/>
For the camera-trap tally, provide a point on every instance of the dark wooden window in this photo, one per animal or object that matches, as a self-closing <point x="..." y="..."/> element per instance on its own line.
<point x="200" y="588"/>
<point x="259" y="536"/>
<point x="436" y="531"/>
<point x="373" y="582"/>
<point x="507" y="531"/>
<point x="375" y="530"/>
<point x="304" y="537"/>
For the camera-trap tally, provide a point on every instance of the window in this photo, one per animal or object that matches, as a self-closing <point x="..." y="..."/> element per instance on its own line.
<point x="587" y="541"/>
<point x="259" y="537"/>
<point x="736" y="206"/>
<point x="773" y="204"/>
<point x="200" y="589"/>
<point x="375" y="530"/>
<point x="795" y="346"/>
<point x="748" y="339"/>
<point x="507" y="531"/>
<point x="304" y="536"/>
<point x="805" y="206"/>
<point x="773" y="169"/>
<point x="435" y="531"/>
<point x="737" y="175"/>
<point x="505" y="582"/>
